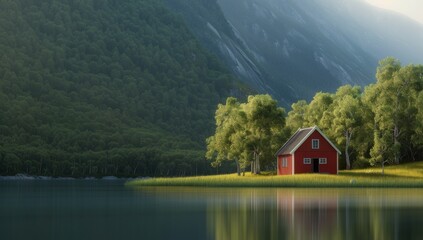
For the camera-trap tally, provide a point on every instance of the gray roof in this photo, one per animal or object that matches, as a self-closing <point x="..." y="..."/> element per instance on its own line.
<point x="296" y="139"/>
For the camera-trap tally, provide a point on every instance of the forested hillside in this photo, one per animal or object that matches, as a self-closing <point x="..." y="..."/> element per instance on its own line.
<point x="100" y="87"/>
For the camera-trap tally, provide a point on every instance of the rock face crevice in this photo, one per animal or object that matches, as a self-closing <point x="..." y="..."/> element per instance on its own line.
<point x="292" y="49"/>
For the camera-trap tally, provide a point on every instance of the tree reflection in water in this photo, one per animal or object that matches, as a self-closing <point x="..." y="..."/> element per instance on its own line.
<point x="315" y="214"/>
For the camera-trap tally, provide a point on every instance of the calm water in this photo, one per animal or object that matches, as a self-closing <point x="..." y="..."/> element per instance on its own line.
<point x="108" y="210"/>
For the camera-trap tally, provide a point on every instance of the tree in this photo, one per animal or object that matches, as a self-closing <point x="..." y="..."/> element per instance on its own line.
<point x="392" y="101"/>
<point x="297" y="116"/>
<point x="380" y="97"/>
<point x="265" y="123"/>
<point x="417" y="138"/>
<point x="224" y="144"/>
<point x="316" y="109"/>
<point x="346" y="117"/>
<point x="245" y="130"/>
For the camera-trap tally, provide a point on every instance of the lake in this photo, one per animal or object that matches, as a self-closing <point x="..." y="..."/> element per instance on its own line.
<point x="100" y="209"/>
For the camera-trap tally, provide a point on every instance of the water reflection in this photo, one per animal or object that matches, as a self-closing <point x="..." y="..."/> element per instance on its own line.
<point x="306" y="213"/>
<point x="309" y="214"/>
<point x="317" y="214"/>
<point x="108" y="210"/>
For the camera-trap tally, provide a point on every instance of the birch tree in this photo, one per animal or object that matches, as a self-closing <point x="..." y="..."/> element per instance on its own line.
<point x="248" y="133"/>
<point x="222" y="146"/>
<point x="392" y="101"/>
<point x="265" y="123"/>
<point x="347" y="119"/>
<point x="417" y="138"/>
<point x="297" y="116"/>
<point x="316" y="109"/>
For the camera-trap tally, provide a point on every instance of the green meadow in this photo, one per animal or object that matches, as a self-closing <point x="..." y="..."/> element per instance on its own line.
<point x="399" y="176"/>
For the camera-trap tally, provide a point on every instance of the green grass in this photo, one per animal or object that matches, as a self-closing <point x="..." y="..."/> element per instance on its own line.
<point x="399" y="176"/>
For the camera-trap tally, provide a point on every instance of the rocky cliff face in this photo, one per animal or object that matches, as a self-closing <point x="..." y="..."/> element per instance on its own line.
<point x="293" y="49"/>
<point x="211" y="27"/>
<point x="297" y="47"/>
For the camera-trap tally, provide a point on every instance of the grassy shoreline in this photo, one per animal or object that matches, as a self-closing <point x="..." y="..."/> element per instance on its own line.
<point x="399" y="176"/>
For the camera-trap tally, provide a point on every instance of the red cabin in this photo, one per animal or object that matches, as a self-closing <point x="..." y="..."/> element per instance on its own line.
<point x="308" y="151"/>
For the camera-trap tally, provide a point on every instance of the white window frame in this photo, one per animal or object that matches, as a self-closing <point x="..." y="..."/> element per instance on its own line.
<point x="307" y="161"/>
<point x="284" y="162"/>
<point x="323" y="161"/>
<point x="315" y="141"/>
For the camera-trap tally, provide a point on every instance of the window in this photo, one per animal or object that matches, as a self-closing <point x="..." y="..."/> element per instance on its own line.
<point x="323" y="160"/>
<point x="315" y="144"/>
<point x="284" y="162"/>
<point x="307" y="160"/>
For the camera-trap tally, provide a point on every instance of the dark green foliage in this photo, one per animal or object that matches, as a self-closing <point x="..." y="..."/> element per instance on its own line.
<point x="247" y="133"/>
<point x="101" y="87"/>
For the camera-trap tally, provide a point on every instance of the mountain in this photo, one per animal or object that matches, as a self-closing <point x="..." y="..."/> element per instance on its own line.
<point x="104" y="88"/>
<point x="108" y="87"/>
<point x="293" y="49"/>
<point x="206" y="20"/>
<point x="379" y="32"/>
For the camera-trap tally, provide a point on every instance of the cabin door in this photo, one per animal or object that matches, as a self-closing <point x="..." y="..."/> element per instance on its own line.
<point x="315" y="165"/>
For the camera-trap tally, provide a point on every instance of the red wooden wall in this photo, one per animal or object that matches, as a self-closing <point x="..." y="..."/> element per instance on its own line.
<point x="285" y="170"/>
<point x="325" y="151"/>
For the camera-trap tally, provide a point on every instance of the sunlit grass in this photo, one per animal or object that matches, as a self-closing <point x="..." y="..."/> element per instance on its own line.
<point x="405" y="175"/>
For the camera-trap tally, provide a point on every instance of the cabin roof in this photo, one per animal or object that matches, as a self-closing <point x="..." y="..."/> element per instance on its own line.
<point x="298" y="138"/>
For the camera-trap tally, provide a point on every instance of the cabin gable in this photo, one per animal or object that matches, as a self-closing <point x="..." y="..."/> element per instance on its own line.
<point x="307" y="145"/>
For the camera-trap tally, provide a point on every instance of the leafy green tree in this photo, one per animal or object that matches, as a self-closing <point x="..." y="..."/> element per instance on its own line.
<point x="247" y="132"/>
<point x="316" y="109"/>
<point x="223" y="144"/>
<point x="345" y="118"/>
<point x="417" y="138"/>
<point x="392" y="100"/>
<point x="297" y="116"/>
<point x="265" y="123"/>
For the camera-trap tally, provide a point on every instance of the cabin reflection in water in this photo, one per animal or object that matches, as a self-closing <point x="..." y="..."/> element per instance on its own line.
<point x="308" y="216"/>
<point x="274" y="214"/>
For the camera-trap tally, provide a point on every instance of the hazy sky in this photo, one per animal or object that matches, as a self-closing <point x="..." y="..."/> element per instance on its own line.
<point x="411" y="8"/>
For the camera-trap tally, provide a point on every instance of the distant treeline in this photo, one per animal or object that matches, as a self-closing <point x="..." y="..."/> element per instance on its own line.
<point x="117" y="162"/>
<point x="104" y="87"/>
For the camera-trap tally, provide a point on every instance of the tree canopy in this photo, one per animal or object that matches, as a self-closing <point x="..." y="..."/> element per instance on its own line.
<point x="247" y="133"/>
